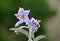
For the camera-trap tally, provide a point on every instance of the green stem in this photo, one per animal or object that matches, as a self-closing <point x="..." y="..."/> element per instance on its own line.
<point x="33" y="35"/>
<point x="30" y="34"/>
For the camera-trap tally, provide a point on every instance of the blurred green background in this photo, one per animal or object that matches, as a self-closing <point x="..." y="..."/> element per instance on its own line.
<point x="39" y="10"/>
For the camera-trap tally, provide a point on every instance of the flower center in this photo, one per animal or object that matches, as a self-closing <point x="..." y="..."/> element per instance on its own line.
<point x="21" y="15"/>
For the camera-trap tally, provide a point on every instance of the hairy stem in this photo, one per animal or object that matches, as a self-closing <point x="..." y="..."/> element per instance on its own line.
<point x="30" y="34"/>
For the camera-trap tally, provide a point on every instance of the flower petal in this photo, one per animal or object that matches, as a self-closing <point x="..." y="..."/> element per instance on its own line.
<point x="26" y="12"/>
<point x="21" y="10"/>
<point x="17" y="15"/>
<point x="27" y="20"/>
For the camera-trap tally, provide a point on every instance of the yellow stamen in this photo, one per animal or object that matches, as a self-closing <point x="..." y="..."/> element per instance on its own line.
<point x="21" y="15"/>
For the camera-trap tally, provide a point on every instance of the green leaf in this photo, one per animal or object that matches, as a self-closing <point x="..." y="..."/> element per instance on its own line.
<point x="13" y="29"/>
<point x="21" y="31"/>
<point x="23" y="27"/>
<point x="39" y="37"/>
<point x="24" y="32"/>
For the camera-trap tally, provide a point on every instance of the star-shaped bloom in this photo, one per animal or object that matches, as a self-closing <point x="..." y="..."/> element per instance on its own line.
<point x="22" y="15"/>
<point x="34" y="23"/>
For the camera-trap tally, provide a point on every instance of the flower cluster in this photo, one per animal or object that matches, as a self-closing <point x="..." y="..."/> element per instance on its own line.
<point x="22" y="15"/>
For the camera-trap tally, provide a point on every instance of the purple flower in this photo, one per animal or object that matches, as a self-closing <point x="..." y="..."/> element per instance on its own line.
<point x="34" y="23"/>
<point x="22" y="15"/>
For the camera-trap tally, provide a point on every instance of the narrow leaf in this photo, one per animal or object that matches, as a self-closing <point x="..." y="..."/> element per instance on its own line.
<point x="13" y="29"/>
<point x="23" y="27"/>
<point x="39" y="37"/>
<point x="21" y="31"/>
<point x="24" y="32"/>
